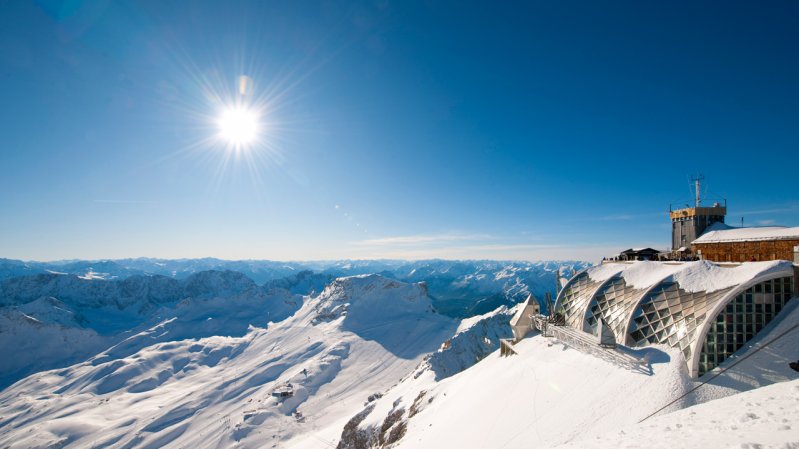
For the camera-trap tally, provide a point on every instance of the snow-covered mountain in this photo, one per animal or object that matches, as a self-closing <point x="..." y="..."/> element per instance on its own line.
<point x="157" y="388"/>
<point x="366" y="361"/>
<point x="53" y="320"/>
<point x="260" y="271"/>
<point x="458" y="288"/>
<point x="101" y="301"/>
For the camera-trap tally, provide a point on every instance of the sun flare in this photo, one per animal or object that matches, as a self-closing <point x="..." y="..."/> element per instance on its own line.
<point x="238" y="126"/>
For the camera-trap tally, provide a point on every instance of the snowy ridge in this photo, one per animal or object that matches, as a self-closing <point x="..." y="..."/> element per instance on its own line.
<point x="217" y="391"/>
<point x="545" y="396"/>
<point x="95" y="313"/>
<point x="55" y="320"/>
<point x="475" y="339"/>
<point x="458" y="288"/>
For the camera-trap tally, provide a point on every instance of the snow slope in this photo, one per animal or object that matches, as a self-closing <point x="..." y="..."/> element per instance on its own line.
<point x="369" y="364"/>
<point x="764" y="418"/>
<point x="550" y="394"/>
<point x="545" y="396"/>
<point x="53" y="320"/>
<point x="103" y="302"/>
<point x="357" y="337"/>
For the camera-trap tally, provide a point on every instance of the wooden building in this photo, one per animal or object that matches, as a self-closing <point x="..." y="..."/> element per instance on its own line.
<point x="748" y="244"/>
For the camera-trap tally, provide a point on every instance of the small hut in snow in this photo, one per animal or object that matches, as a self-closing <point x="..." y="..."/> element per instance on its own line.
<point x="522" y="321"/>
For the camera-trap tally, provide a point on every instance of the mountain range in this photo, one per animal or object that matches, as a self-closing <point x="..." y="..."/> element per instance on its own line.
<point x="90" y="305"/>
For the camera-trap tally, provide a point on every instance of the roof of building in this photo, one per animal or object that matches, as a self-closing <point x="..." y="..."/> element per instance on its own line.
<point x="639" y="250"/>
<point x="754" y="234"/>
<point x="659" y="302"/>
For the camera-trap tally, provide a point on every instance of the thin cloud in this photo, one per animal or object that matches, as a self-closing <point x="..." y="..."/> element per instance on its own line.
<point x="520" y="251"/>
<point x="410" y="240"/>
<point x="789" y="207"/>
<point x="124" y="201"/>
<point x="618" y="217"/>
<point x="508" y="247"/>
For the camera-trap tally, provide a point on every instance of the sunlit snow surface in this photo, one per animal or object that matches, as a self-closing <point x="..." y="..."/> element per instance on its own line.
<point x="550" y="394"/>
<point x="202" y="377"/>
<point x="692" y="276"/>
<point x="764" y="418"/>
<point x="52" y="320"/>
<point x="216" y="391"/>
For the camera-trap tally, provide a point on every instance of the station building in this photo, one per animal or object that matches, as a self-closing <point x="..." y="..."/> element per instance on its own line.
<point x="707" y="308"/>
<point x="726" y="244"/>
<point x="700" y="232"/>
<point x="707" y="311"/>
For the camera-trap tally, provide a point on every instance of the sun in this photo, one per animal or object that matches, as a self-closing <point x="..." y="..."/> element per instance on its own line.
<point x="238" y="126"/>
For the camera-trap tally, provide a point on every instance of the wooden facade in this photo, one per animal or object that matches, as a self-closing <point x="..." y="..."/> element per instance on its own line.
<point x="746" y="251"/>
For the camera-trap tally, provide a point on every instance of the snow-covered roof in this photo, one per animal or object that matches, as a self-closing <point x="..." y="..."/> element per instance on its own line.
<point x="749" y="234"/>
<point x="695" y="277"/>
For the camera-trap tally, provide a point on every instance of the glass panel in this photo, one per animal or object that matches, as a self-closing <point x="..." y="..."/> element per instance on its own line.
<point x="574" y="298"/>
<point x="670" y="315"/>
<point x="739" y="322"/>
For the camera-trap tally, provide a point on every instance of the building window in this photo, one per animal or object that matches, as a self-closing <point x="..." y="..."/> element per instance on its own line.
<point x="670" y="315"/>
<point x="742" y="318"/>
<point x="574" y="297"/>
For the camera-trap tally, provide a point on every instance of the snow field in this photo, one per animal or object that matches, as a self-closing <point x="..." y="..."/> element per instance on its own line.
<point x="764" y="418"/>
<point x="204" y="378"/>
<point x="216" y="391"/>
<point x="547" y="395"/>
<point x="551" y="395"/>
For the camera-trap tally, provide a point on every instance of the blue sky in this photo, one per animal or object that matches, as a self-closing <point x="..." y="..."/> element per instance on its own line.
<point x="530" y="130"/>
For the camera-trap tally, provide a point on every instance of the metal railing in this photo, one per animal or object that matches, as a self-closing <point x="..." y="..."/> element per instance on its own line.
<point x="581" y="341"/>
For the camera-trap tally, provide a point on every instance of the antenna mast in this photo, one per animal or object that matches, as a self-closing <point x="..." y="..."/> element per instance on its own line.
<point x="697" y="185"/>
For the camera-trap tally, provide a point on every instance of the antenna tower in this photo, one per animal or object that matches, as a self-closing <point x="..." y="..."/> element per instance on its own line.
<point x="697" y="180"/>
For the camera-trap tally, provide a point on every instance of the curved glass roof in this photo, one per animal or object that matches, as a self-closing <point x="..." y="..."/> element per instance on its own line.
<point x="671" y="305"/>
<point x="613" y="303"/>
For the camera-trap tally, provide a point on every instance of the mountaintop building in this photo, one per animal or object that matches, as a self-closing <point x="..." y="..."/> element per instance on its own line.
<point x="690" y="222"/>
<point x="708" y="309"/>
<point x="726" y="244"/>
<point x="700" y="233"/>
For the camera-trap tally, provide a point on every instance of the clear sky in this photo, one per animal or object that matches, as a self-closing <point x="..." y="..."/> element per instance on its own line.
<point x="390" y="129"/>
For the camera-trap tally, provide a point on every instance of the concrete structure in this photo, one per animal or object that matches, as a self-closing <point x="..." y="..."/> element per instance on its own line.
<point x="725" y="244"/>
<point x="522" y="321"/>
<point x="690" y="222"/>
<point x="700" y="232"/>
<point x="604" y="335"/>
<point x="708" y="318"/>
